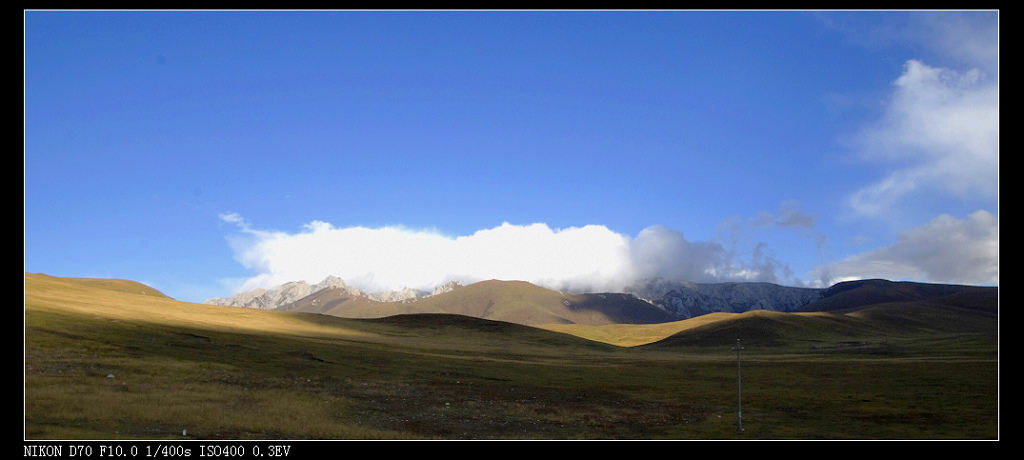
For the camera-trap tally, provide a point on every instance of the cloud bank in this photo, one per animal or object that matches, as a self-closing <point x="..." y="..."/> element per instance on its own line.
<point x="594" y="258"/>
<point x="944" y="250"/>
<point x="587" y="258"/>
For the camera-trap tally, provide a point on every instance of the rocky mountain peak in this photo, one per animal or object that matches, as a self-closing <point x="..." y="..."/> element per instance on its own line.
<point x="446" y="287"/>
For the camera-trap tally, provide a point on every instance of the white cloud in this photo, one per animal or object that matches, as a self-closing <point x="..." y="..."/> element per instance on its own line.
<point x="659" y="252"/>
<point x="591" y="257"/>
<point x="940" y="133"/>
<point x="394" y="257"/>
<point x="944" y="250"/>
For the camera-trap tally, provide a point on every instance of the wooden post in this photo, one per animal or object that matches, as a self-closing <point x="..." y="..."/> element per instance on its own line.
<point x="739" y="388"/>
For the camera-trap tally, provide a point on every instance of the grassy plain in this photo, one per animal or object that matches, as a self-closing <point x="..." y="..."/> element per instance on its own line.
<point x="111" y="360"/>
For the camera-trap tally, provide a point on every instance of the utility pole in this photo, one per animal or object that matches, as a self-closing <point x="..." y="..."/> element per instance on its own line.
<point x="739" y="388"/>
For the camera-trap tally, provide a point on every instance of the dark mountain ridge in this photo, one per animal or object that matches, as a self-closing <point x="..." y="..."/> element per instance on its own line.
<point x="861" y="293"/>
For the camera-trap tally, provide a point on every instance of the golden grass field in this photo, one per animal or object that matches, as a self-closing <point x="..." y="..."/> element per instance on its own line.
<point x="112" y="359"/>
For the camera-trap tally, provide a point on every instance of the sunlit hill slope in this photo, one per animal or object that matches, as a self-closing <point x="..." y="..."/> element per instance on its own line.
<point x="872" y="308"/>
<point x="512" y="301"/>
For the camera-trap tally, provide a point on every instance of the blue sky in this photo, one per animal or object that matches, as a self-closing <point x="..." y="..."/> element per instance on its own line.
<point x="207" y="152"/>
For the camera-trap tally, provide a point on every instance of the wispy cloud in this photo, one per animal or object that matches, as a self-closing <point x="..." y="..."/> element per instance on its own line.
<point x="969" y="37"/>
<point x="233" y="218"/>
<point x="787" y="217"/>
<point x="940" y="134"/>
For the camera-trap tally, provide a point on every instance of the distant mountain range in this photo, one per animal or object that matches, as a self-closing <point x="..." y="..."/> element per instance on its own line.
<point x="651" y="301"/>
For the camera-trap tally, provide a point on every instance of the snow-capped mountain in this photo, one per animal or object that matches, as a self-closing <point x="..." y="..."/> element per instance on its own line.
<point x="268" y="299"/>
